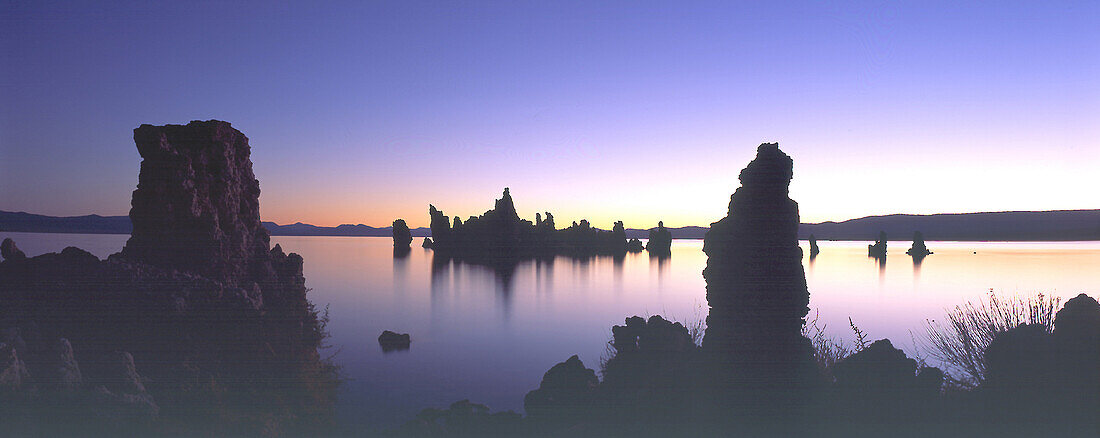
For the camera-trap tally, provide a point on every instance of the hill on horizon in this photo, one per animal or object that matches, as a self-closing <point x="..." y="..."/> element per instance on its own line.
<point x="1055" y="225"/>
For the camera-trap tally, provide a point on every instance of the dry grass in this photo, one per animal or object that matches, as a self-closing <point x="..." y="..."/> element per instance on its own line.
<point x="959" y="342"/>
<point x="828" y="350"/>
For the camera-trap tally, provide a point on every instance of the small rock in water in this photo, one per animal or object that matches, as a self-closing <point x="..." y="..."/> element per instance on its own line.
<point x="391" y="341"/>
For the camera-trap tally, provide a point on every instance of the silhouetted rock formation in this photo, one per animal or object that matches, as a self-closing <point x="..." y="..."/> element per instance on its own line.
<point x="9" y="251"/>
<point x="814" y="249"/>
<point x="499" y="237"/>
<point x="652" y="373"/>
<point x="402" y="238"/>
<point x="567" y="393"/>
<point x="197" y="296"/>
<point x="391" y="341"/>
<point x="427" y="243"/>
<point x="756" y="286"/>
<point x="878" y="249"/>
<point x="1062" y="368"/>
<point x="196" y="208"/>
<point x="884" y="372"/>
<point x="634" y="245"/>
<point x="879" y="388"/>
<point x="660" y="240"/>
<point x="918" y="250"/>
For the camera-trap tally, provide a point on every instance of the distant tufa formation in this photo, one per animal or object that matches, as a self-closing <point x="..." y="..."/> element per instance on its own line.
<point x="878" y="249"/>
<point x="499" y="234"/>
<point x="660" y="240"/>
<point x="402" y="237"/>
<point x="756" y="286"/>
<point x="196" y="298"/>
<point x="814" y="249"/>
<point x="918" y="250"/>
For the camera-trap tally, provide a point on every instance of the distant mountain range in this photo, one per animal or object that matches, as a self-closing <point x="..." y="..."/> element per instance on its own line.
<point x="1059" y="225"/>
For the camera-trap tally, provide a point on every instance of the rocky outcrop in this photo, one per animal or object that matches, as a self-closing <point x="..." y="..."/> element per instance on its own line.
<point x="634" y="246"/>
<point x="814" y="249"/>
<point x="918" y="250"/>
<point x="402" y="237"/>
<point x="660" y="240"/>
<point x="756" y="286"/>
<point x="197" y="295"/>
<point x="1062" y="368"/>
<point x="392" y="341"/>
<point x="499" y="237"/>
<point x="652" y="373"/>
<point x="9" y="251"/>
<point x="13" y="372"/>
<point x="567" y="393"/>
<point x="1079" y="319"/>
<point x="427" y="243"/>
<point x="63" y="371"/>
<point x="196" y="208"/>
<point x="878" y="249"/>
<point x="880" y="382"/>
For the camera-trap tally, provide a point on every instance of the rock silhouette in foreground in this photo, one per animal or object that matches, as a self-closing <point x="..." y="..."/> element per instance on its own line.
<point x="196" y="208"/>
<point x="756" y="285"/>
<point x="878" y="249"/>
<point x="814" y="249"/>
<point x="567" y="391"/>
<point x="9" y="251"/>
<point x="918" y="250"/>
<point x="427" y="243"/>
<point x="196" y="299"/>
<point x="660" y="240"/>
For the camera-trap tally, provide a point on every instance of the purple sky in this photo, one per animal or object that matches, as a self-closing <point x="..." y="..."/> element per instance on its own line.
<point x="641" y="111"/>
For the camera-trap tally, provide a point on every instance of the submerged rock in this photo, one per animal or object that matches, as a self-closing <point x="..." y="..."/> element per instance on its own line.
<point x="756" y="286"/>
<point x="392" y="341"/>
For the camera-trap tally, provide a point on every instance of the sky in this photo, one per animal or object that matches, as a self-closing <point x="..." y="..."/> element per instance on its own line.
<point x="363" y="112"/>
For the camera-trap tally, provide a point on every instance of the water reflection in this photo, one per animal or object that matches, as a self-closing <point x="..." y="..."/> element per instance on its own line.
<point x="660" y="264"/>
<point x="454" y="312"/>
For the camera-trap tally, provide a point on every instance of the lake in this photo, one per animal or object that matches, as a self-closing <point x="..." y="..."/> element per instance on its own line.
<point x="489" y="336"/>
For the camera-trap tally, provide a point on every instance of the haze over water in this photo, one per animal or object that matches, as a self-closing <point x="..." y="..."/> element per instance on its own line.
<point x="480" y="336"/>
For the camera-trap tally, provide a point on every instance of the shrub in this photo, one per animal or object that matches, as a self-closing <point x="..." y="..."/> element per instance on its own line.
<point x="960" y="342"/>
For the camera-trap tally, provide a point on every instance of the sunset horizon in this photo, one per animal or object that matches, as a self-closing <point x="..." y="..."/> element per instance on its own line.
<point x="639" y="116"/>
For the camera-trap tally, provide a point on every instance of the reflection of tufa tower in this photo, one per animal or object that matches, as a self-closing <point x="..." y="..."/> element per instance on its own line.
<point x="756" y="286"/>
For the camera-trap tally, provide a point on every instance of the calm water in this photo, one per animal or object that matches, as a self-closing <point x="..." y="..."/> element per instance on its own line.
<point x="489" y="338"/>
